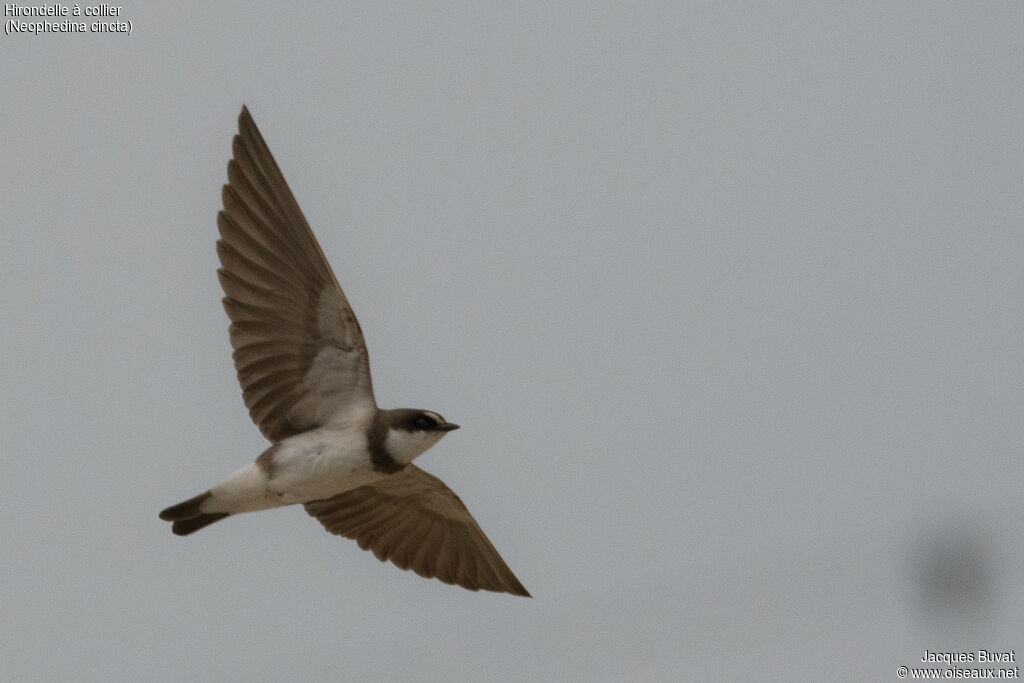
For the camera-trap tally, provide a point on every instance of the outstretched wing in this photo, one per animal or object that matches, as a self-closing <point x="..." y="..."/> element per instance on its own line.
<point x="299" y="351"/>
<point x="414" y="520"/>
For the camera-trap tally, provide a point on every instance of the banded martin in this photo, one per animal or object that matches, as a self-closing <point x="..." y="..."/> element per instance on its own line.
<point x="305" y="375"/>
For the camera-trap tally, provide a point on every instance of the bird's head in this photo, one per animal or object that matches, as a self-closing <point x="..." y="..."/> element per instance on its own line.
<point x="411" y="432"/>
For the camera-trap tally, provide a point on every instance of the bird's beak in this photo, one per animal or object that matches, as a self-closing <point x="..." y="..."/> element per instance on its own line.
<point x="446" y="427"/>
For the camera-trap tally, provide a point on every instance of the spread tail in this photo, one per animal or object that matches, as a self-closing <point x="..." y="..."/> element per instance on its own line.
<point x="187" y="516"/>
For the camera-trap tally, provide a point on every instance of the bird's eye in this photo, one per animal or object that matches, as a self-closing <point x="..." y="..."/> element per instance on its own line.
<point x="424" y="422"/>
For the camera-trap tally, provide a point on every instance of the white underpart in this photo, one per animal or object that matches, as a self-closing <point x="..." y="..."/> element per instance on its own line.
<point x="320" y="464"/>
<point x="243" y="491"/>
<point x="309" y="466"/>
<point x="405" y="446"/>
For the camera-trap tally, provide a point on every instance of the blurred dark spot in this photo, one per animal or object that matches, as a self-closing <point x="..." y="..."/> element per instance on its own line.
<point x="953" y="570"/>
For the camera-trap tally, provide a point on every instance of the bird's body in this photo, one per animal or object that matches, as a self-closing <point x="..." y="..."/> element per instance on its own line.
<point x="305" y="375"/>
<point x="308" y="466"/>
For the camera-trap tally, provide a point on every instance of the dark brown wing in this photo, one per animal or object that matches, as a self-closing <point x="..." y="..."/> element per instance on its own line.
<point x="414" y="520"/>
<point x="299" y="351"/>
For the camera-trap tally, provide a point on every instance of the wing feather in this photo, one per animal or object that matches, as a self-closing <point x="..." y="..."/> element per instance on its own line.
<point x="412" y="519"/>
<point x="298" y="348"/>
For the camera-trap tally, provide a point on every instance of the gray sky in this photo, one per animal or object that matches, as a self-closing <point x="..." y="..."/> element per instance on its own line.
<point x="729" y="301"/>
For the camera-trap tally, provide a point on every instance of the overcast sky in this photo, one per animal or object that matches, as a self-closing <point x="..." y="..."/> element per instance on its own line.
<point x="728" y="300"/>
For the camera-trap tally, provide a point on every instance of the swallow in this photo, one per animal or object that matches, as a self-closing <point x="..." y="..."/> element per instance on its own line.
<point x="305" y="374"/>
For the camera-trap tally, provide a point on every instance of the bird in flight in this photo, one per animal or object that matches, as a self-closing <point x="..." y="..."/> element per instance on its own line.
<point x="305" y="375"/>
